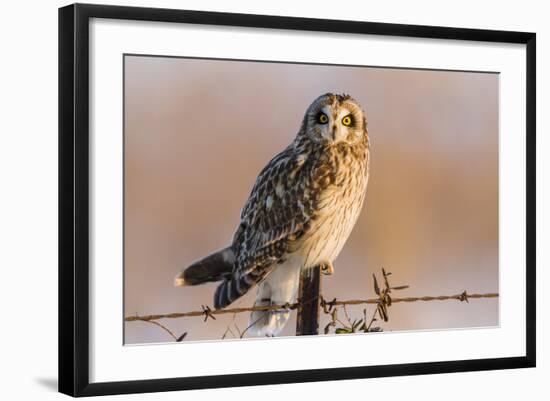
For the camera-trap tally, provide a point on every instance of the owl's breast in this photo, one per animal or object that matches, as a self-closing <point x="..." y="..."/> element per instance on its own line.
<point x="338" y="208"/>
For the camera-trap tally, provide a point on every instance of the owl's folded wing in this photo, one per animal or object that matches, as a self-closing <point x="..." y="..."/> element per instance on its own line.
<point x="279" y="212"/>
<point x="276" y="218"/>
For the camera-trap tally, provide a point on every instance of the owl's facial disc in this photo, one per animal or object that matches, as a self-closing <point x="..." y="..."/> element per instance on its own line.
<point x="336" y="124"/>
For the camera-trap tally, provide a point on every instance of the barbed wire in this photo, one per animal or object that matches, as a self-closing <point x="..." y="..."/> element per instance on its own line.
<point x="207" y="312"/>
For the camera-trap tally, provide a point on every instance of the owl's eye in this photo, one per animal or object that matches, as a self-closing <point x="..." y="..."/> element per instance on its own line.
<point x="347" y="120"/>
<point x="322" y="118"/>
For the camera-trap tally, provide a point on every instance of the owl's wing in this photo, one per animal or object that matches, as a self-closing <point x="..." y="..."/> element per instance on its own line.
<point x="276" y="215"/>
<point x="275" y="218"/>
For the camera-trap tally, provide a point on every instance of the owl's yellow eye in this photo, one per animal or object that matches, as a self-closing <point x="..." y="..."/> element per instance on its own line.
<point x="346" y="121"/>
<point x="322" y="118"/>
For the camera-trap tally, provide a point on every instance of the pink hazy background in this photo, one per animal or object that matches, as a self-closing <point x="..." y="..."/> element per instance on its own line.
<point x="197" y="133"/>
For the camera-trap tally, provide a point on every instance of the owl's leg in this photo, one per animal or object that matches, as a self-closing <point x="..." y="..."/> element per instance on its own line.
<point x="327" y="268"/>
<point x="279" y="288"/>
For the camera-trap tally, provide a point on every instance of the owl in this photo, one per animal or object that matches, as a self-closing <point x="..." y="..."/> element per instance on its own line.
<point x="300" y="212"/>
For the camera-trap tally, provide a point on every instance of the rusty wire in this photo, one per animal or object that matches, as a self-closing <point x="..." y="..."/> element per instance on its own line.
<point x="206" y="312"/>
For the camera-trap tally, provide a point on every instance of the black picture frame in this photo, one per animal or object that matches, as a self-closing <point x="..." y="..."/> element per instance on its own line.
<point x="74" y="198"/>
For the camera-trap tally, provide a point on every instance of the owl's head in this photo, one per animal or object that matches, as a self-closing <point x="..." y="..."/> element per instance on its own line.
<point x="335" y="119"/>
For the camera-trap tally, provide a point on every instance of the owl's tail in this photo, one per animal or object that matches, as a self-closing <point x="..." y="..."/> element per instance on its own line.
<point x="277" y="286"/>
<point x="215" y="267"/>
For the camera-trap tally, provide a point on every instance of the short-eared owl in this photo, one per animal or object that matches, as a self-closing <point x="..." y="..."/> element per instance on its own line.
<point x="300" y="213"/>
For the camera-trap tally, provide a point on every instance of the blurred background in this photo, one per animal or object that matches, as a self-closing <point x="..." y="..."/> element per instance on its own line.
<point x="197" y="133"/>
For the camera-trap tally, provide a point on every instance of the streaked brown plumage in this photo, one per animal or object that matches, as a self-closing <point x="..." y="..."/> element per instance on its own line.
<point x="299" y="214"/>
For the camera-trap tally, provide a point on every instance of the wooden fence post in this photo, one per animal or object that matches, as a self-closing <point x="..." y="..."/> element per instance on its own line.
<point x="307" y="321"/>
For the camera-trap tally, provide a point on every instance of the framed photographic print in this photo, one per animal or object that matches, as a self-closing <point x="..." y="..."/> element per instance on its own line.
<point x="277" y="199"/>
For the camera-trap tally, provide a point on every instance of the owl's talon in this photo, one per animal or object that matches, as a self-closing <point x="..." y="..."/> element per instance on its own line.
<point x="327" y="269"/>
